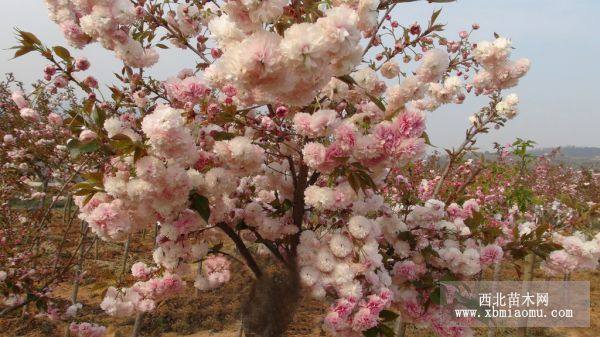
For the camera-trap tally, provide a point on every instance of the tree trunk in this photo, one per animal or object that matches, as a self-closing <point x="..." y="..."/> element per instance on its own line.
<point x="137" y="326"/>
<point x="272" y="303"/>
<point x="125" y="255"/>
<point x="495" y="276"/>
<point x="527" y="276"/>
<point x="79" y="266"/>
<point x="400" y="328"/>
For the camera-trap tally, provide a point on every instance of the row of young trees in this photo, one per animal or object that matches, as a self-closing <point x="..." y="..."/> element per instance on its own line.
<point x="299" y="135"/>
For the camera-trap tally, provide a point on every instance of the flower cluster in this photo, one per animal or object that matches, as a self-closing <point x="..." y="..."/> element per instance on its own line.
<point x="285" y="139"/>
<point x="425" y="82"/>
<point x="498" y="72"/>
<point x="383" y="144"/>
<point x="186" y="89"/>
<point x="577" y="253"/>
<point x="347" y="264"/>
<point x="87" y="330"/>
<point x="216" y="271"/>
<point x="154" y="189"/>
<point x="265" y="67"/>
<point x="142" y="296"/>
<point x="508" y="106"/>
<point x="105" y="21"/>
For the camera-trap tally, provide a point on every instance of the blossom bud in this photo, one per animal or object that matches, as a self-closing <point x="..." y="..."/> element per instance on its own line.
<point x="55" y="119"/>
<point x="91" y="82"/>
<point x="29" y="114"/>
<point x="9" y="139"/>
<point x="215" y="53"/>
<point x="60" y="82"/>
<point x="50" y="70"/>
<point x="229" y="90"/>
<point x="82" y="64"/>
<point x="19" y="99"/>
<point x="213" y="109"/>
<point x="281" y="111"/>
<point x="87" y="136"/>
<point x="415" y="29"/>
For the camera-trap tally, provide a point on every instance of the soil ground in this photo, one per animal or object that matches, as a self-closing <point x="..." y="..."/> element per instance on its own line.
<point x="216" y="313"/>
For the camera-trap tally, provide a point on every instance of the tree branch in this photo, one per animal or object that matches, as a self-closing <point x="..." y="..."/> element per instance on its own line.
<point x="250" y="262"/>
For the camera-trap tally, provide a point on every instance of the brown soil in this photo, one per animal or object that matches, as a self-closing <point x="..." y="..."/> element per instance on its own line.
<point x="217" y="313"/>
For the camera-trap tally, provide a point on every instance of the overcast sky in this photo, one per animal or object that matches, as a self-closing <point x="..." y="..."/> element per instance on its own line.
<point x="559" y="96"/>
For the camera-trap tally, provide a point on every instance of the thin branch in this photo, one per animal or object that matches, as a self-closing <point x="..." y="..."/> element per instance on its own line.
<point x="370" y="44"/>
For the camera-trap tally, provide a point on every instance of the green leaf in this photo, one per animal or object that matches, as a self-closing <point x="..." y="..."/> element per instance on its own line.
<point x="83" y="185"/>
<point x="76" y="148"/>
<point x="387" y="315"/>
<point x="89" y="147"/>
<point x="435" y="15"/>
<point x="437" y="28"/>
<point x="98" y="116"/>
<point x="63" y="53"/>
<point x="28" y="38"/>
<point x="425" y="136"/>
<point x="386" y="330"/>
<point x="475" y="221"/>
<point x="354" y="182"/>
<point x="122" y="137"/>
<point x="138" y="153"/>
<point x="200" y="205"/>
<point x="366" y="180"/>
<point x="222" y="135"/>
<point x="437" y="296"/>
<point x="22" y="51"/>
<point x="93" y="177"/>
<point x="406" y="36"/>
<point x="373" y="332"/>
<point x="73" y="147"/>
<point x="88" y="106"/>
<point x="122" y="143"/>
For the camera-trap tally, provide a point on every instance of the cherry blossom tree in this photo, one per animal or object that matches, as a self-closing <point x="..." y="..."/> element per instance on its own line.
<point x="283" y="142"/>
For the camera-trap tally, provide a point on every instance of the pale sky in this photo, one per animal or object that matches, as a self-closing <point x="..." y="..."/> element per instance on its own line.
<point x="559" y="97"/>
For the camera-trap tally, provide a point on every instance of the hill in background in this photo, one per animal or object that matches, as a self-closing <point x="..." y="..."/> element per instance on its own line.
<point x="575" y="155"/>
